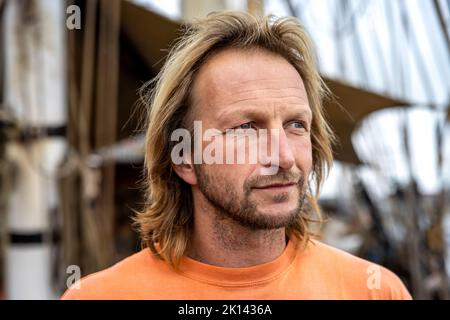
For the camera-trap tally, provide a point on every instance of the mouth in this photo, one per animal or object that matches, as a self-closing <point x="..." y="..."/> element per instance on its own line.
<point x="277" y="187"/>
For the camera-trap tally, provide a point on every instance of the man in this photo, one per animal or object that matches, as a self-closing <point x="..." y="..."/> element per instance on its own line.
<point x="216" y="229"/>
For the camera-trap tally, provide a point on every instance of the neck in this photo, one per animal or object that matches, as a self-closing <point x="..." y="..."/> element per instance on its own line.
<point x="223" y="242"/>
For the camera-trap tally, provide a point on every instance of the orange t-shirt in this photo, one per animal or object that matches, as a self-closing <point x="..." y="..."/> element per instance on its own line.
<point x="317" y="272"/>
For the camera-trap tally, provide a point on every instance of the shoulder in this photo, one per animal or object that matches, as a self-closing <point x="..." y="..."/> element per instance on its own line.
<point x="361" y="277"/>
<point x="116" y="282"/>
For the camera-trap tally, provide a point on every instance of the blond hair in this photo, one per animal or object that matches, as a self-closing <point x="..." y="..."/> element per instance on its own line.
<point x="166" y="220"/>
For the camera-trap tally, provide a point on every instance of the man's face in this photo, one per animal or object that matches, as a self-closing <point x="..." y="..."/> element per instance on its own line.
<point x="239" y="89"/>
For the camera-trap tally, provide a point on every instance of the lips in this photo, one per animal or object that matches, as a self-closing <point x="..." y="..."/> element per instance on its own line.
<point x="277" y="186"/>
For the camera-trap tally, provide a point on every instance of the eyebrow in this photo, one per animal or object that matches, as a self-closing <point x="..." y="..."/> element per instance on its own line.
<point x="257" y="113"/>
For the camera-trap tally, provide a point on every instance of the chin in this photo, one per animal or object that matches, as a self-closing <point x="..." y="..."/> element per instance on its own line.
<point x="278" y="209"/>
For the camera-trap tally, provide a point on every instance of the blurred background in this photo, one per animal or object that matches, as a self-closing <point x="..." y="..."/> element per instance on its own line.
<point x="71" y="156"/>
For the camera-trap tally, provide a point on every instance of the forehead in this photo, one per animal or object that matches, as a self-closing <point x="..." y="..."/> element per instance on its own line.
<point x="234" y="76"/>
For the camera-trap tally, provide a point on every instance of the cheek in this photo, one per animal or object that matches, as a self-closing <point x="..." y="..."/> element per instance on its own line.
<point x="303" y="154"/>
<point x="233" y="175"/>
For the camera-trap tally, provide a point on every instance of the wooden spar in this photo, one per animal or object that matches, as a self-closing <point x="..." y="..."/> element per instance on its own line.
<point x="106" y="119"/>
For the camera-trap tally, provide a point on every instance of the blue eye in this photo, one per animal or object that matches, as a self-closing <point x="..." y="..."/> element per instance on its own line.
<point x="245" y="126"/>
<point x="298" y="125"/>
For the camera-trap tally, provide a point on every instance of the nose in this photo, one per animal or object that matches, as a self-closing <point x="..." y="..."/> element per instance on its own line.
<point x="286" y="156"/>
<point x="281" y="155"/>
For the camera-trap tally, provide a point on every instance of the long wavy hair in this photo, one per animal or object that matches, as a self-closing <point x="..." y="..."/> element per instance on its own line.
<point x="165" y="222"/>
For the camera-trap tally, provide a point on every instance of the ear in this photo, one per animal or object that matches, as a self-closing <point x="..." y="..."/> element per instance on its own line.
<point x="186" y="172"/>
